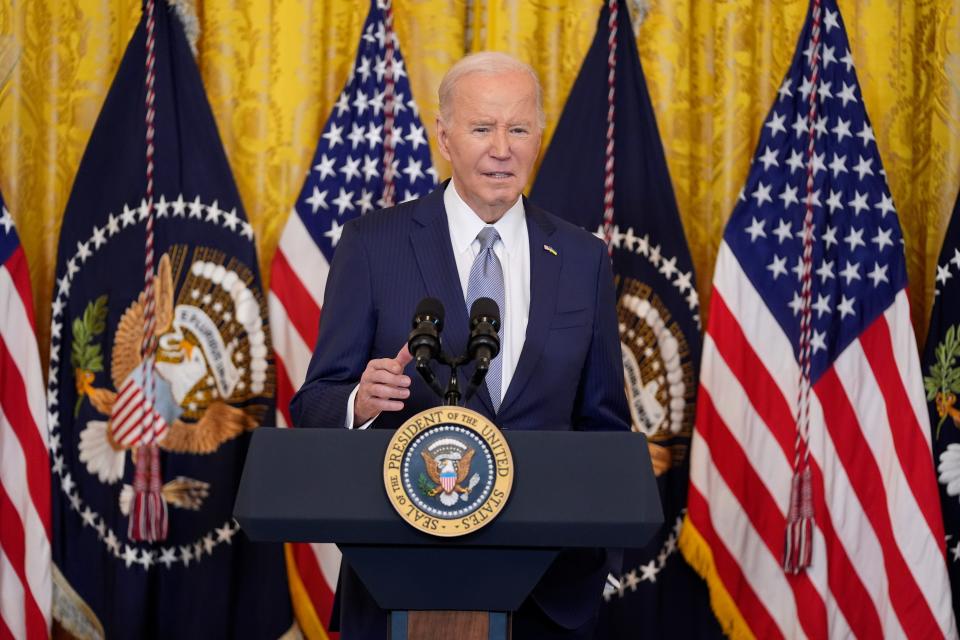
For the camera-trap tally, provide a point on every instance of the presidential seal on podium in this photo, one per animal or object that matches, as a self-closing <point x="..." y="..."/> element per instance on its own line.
<point x="448" y="471"/>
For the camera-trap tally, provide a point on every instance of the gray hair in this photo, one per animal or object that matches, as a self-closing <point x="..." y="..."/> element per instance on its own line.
<point x="488" y="63"/>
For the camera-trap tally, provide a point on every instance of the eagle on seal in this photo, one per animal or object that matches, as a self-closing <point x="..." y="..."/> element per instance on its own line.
<point x="184" y="383"/>
<point x="448" y="474"/>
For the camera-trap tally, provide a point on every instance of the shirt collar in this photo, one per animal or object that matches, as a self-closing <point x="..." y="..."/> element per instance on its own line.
<point x="465" y="224"/>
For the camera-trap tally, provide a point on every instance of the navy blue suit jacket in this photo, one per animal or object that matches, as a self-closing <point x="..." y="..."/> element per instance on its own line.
<point x="570" y="372"/>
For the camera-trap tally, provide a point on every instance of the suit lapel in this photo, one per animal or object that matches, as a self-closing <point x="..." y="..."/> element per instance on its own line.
<point x="483" y="392"/>
<point x="544" y="281"/>
<point x="438" y="268"/>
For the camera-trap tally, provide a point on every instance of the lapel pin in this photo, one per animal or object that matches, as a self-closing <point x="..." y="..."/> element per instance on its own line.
<point x="547" y="247"/>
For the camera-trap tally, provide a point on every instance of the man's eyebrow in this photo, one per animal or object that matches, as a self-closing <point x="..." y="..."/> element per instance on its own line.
<point x="492" y="121"/>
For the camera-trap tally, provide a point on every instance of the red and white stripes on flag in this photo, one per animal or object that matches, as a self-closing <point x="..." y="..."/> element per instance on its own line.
<point x="25" y="565"/>
<point x="298" y="275"/>
<point x="127" y="424"/>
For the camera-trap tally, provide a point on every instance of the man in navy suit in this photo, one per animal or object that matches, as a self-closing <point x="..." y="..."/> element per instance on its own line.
<point x="560" y="364"/>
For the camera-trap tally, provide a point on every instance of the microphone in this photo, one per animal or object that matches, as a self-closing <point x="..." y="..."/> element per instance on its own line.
<point x="484" y="343"/>
<point x="424" y="340"/>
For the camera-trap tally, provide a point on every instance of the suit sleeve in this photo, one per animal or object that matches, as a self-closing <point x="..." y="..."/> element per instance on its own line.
<point x="347" y="326"/>
<point x="601" y="400"/>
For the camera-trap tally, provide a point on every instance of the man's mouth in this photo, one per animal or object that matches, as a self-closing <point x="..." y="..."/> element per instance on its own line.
<point x="498" y="175"/>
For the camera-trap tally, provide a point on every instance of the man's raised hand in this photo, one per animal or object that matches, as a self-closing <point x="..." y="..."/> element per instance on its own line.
<point x="383" y="387"/>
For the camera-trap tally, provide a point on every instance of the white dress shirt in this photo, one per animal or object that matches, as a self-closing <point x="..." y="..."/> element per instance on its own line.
<point x="513" y="250"/>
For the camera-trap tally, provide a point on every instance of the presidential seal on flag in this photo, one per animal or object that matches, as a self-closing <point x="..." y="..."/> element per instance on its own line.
<point x="659" y="374"/>
<point x="211" y="379"/>
<point x="210" y="362"/>
<point x="448" y="471"/>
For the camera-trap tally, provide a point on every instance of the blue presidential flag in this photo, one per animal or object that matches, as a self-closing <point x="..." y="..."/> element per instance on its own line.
<point x="209" y="384"/>
<point x="658" y="594"/>
<point x="941" y="370"/>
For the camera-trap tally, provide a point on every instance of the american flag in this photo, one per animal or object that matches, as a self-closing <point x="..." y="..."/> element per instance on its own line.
<point x="346" y="180"/>
<point x="25" y="568"/>
<point x="877" y="566"/>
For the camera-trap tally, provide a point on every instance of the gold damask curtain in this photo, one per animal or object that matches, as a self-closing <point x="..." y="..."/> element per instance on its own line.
<point x="273" y="69"/>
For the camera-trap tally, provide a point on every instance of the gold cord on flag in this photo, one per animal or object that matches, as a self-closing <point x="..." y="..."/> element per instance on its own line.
<point x="612" y="24"/>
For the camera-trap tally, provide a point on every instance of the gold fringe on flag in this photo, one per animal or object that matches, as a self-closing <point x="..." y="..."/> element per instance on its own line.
<point x="303" y="609"/>
<point x="699" y="556"/>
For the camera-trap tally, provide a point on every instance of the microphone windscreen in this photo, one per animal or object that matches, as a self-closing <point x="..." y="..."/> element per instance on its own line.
<point x="485" y="307"/>
<point x="430" y="307"/>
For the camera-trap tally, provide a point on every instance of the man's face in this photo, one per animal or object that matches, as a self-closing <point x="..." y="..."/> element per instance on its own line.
<point x="491" y="139"/>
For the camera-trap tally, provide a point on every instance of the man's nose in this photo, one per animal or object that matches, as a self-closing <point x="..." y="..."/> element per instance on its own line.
<point x="500" y="147"/>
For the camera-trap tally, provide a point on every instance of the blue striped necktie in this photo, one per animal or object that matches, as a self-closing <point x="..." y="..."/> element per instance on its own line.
<point x="486" y="281"/>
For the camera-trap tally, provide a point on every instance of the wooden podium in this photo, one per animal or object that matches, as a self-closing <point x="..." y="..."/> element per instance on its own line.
<point x="571" y="490"/>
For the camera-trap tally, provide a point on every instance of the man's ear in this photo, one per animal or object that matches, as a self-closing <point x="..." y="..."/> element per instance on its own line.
<point x="442" y="140"/>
